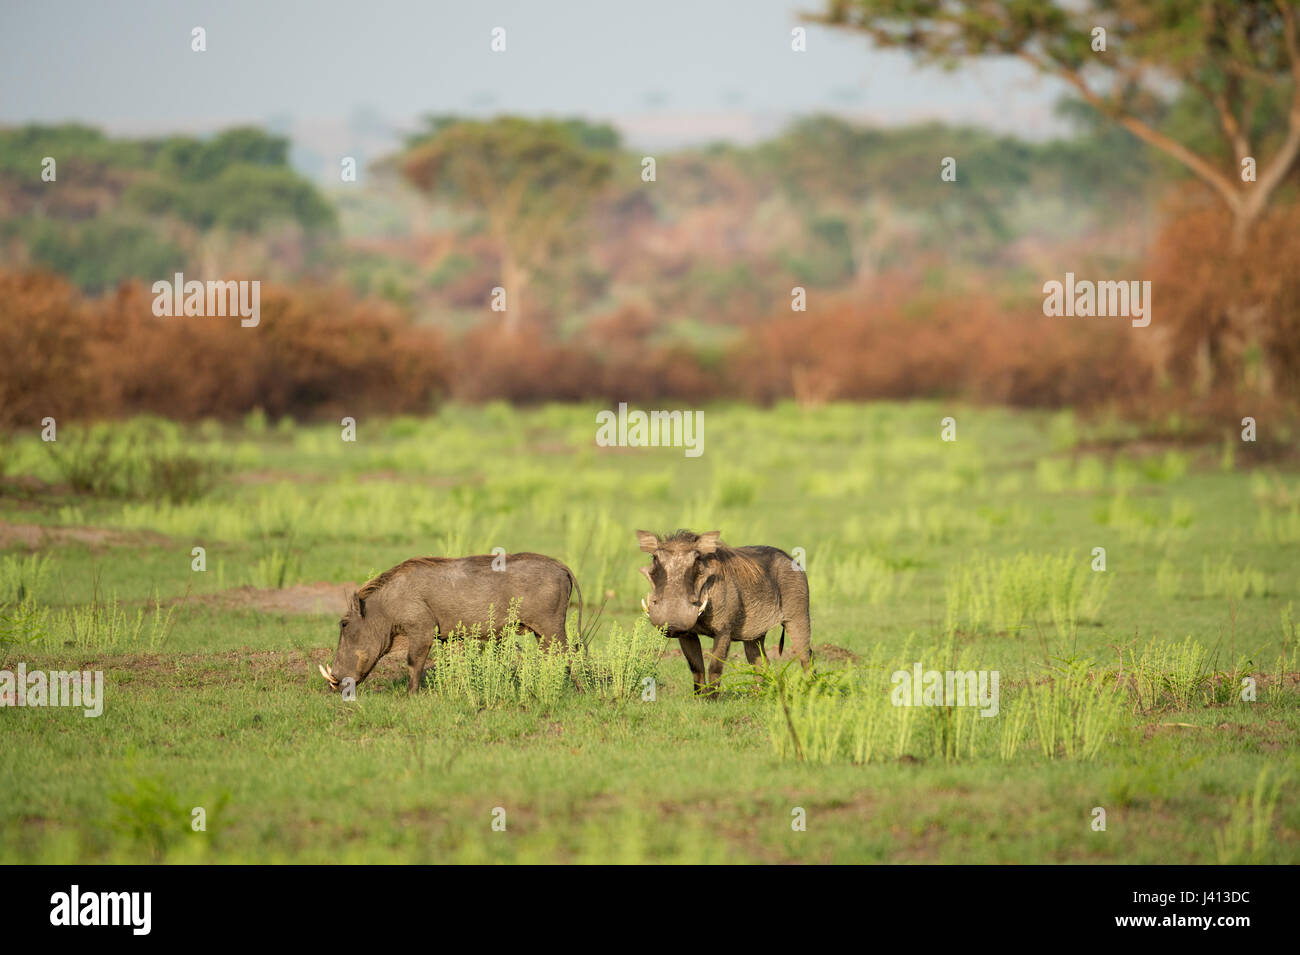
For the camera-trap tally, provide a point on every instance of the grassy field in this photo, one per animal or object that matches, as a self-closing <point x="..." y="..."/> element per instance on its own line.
<point x="1121" y="689"/>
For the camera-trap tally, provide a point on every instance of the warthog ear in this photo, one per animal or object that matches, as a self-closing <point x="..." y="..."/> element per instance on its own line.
<point x="357" y="604"/>
<point x="649" y="543"/>
<point x="708" y="543"/>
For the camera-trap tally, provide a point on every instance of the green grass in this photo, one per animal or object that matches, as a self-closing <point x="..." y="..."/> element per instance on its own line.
<point x="1120" y="688"/>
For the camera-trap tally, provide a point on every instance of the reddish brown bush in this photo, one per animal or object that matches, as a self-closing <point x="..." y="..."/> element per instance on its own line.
<point x="972" y="347"/>
<point x="42" y="350"/>
<point x="1230" y="325"/>
<point x="319" y="352"/>
<point x="314" y="353"/>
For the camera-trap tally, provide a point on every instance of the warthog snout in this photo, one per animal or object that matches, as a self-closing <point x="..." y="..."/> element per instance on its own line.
<point x="363" y="639"/>
<point x="675" y="616"/>
<point x="681" y="577"/>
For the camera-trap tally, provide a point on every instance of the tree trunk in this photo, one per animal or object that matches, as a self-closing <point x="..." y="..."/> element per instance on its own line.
<point x="515" y="277"/>
<point x="1232" y="333"/>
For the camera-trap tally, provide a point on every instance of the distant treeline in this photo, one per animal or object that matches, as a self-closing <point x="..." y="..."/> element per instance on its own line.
<point x="319" y="351"/>
<point x="676" y="288"/>
<point x="100" y="211"/>
<point x="820" y="203"/>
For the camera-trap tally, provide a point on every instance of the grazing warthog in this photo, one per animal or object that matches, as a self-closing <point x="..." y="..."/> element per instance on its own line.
<point x="427" y="597"/>
<point x="703" y="588"/>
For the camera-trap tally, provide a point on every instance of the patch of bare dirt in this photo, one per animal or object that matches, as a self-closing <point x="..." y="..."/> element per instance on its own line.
<point x="27" y="486"/>
<point x="317" y="598"/>
<point x="437" y="480"/>
<point x="38" y="536"/>
<point x="1270" y="734"/>
<point x="272" y="476"/>
<point x="830" y="652"/>
<point x="1139" y="447"/>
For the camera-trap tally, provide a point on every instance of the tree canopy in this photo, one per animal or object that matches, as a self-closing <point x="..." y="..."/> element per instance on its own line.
<point x="1237" y="57"/>
<point x="531" y="179"/>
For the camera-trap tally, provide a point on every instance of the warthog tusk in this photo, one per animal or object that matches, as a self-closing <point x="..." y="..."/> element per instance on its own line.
<point x="644" y="607"/>
<point x="327" y="674"/>
<point x="703" y="605"/>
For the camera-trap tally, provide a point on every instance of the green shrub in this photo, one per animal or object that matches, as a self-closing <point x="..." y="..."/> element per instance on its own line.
<point x="1028" y="590"/>
<point x="494" y="668"/>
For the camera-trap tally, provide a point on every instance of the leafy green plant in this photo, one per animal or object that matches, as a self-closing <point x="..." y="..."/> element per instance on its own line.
<point x="278" y="569"/>
<point x="732" y="488"/>
<point x="1074" y="712"/>
<point x="143" y="460"/>
<point x="493" y="667"/>
<point x="24" y="582"/>
<point x="1245" y="837"/>
<point x="23" y="622"/>
<point x="1224" y="579"/>
<point x="91" y="463"/>
<point x="1170" y="674"/>
<point x="859" y="578"/>
<point x="104" y="624"/>
<point x="1168" y="579"/>
<point x="1026" y="591"/>
<point x="855" y="713"/>
<point x="149" y="816"/>
<point x="175" y="477"/>
<point x="24" y="578"/>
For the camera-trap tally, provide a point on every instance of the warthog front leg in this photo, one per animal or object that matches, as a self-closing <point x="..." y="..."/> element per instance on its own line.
<point x="690" y="644"/>
<point x="717" y="657"/>
<point x="417" y="653"/>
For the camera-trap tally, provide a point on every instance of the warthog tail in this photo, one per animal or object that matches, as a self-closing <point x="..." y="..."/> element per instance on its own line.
<point x="578" y="590"/>
<point x="780" y="647"/>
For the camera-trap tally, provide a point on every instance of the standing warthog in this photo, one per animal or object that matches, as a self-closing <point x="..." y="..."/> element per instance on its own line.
<point x="702" y="587"/>
<point x="427" y="597"/>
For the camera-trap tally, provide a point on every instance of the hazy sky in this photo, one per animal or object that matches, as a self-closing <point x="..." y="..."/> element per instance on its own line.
<point x="665" y="71"/>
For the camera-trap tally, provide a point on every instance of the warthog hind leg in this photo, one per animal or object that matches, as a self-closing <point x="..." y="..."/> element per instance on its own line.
<point x="756" y="654"/>
<point x="799" y="630"/>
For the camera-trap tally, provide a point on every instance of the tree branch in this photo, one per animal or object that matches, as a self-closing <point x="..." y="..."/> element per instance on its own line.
<point x="1271" y="177"/>
<point x="1213" y="177"/>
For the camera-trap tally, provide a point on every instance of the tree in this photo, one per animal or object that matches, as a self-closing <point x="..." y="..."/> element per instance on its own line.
<point x="1239" y="58"/>
<point x="1233" y="53"/>
<point x="530" y="179"/>
<point x="186" y="159"/>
